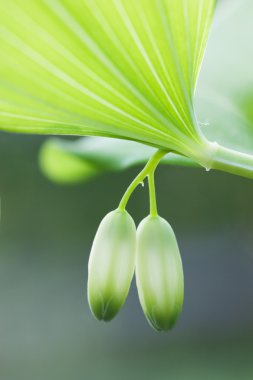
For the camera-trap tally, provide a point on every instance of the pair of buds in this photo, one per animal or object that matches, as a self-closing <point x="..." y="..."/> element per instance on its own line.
<point x="152" y="253"/>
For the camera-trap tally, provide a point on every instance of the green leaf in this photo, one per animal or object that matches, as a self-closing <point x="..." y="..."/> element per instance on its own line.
<point x="224" y="96"/>
<point x="70" y="162"/>
<point x="124" y="68"/>
<point x="224" y="99"/>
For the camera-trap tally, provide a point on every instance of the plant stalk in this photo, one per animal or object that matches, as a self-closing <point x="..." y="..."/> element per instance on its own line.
<point x="149" y="168"/>
<point x="233" y="162"/>
<point x="152" y="194"/>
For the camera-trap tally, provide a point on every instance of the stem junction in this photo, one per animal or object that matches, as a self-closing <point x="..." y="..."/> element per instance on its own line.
<point x="147" y="171"/>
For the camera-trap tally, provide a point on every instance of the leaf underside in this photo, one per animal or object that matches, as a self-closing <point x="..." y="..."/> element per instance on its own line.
<point x="115" y="68"/>
<point x="125" y="69"/>
<point x="224" y="104"/>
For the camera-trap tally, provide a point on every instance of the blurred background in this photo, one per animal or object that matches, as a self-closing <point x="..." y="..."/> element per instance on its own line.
<point x="46" y="328"/>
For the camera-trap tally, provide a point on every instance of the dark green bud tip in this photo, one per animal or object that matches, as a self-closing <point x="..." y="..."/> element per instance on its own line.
<point x="159" y="273"/>
<point x="111" y="264"/>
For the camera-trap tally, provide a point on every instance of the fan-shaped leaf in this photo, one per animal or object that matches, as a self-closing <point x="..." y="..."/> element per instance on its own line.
<point x="117" y="68"/>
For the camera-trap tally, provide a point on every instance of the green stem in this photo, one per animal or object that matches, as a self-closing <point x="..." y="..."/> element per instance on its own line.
<point x="233" y="162"/>
<point x="152" y="195"/>
<point x="149" y="168"/>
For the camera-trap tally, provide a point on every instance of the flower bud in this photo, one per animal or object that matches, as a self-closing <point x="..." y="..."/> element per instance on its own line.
<point x="159" y="273"/>
<point x="111" y="264"/>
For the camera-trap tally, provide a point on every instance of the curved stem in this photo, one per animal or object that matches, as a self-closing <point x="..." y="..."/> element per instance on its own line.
<point x="149" y="168"/>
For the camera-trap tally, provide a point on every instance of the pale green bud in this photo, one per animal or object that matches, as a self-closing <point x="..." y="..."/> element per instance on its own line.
<point x="111" y="264"/>
<point x="159" y="273"/>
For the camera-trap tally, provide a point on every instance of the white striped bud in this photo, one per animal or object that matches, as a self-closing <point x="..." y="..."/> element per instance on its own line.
<point x="159" y="273"/>
<point x="111" y="264"/>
